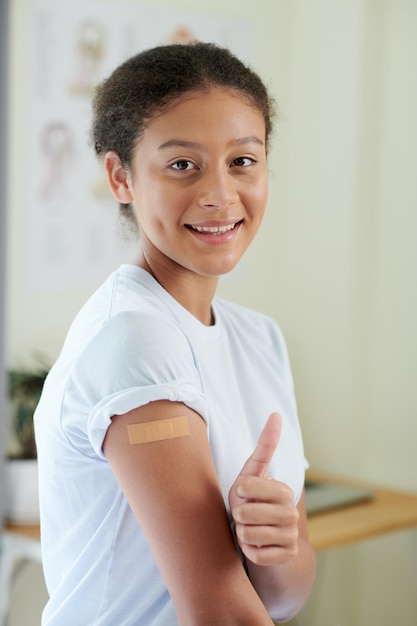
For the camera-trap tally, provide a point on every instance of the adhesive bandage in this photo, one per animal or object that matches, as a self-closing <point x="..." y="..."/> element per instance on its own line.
<point x="159" y="430"/>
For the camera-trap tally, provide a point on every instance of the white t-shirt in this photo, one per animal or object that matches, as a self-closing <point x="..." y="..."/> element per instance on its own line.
<point x="132" y="343"/>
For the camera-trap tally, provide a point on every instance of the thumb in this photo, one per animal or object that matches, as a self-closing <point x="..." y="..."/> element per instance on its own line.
<point x="258" y="462"/>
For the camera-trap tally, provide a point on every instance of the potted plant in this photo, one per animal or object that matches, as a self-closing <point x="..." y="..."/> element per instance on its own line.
<point x="24" y="390"/>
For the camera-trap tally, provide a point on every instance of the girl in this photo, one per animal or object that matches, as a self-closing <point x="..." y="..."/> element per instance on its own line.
<point x="171" y="463"/>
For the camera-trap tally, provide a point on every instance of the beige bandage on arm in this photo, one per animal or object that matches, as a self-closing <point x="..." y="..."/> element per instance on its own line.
<point x="159" y="430"/>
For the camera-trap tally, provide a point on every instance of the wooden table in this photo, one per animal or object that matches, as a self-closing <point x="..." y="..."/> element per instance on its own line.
<point x="388" y="511"/>
<point x="32" y="531"/>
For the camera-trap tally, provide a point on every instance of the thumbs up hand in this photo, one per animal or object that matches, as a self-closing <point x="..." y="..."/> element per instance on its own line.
<point x="266" y="519"/>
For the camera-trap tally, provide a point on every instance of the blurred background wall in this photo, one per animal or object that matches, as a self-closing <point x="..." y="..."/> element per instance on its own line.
<point x="335" y="262"/>
<point x="3" y="200"/>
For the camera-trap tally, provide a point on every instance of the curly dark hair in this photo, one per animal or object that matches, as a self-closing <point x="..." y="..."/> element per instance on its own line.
<point x="144" y="84"/>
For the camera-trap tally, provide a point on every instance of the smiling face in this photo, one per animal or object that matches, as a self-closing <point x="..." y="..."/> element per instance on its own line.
<point x="198" y="183"/>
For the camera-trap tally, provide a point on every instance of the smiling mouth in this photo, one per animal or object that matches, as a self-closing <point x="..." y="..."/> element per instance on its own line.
<point x="213" y="230"/>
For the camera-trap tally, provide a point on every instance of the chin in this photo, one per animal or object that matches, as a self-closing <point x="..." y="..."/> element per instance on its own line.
<point x="221" y="270"/>
<point x="221" y="266"/>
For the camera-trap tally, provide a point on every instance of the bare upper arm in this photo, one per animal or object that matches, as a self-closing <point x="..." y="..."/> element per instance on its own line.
<point x="173" y="490"/>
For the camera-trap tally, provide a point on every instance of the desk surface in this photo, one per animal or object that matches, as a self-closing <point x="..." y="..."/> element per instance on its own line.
<point x="387" y="512"/>
<point x="28" y="530"/>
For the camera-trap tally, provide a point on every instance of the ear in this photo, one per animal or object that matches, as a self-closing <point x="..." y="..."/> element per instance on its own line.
<point x="117" y="178"/>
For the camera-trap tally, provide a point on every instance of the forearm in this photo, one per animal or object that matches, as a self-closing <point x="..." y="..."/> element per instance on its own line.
<point x="284" y="589"/>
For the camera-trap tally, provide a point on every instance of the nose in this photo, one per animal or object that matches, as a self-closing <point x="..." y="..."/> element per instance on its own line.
<point x="217" y="189"/>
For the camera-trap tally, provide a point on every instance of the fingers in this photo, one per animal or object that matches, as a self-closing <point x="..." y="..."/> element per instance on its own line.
<point x="264" y="513"/>
<point x="258" y="463"/>
<point x="269" y="555"/>
<point x="267" y="533"/>
<point x="264" y="489"/>
<point x="286" y="537"/>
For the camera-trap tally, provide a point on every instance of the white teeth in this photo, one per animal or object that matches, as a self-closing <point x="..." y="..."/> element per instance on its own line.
<point x="219" y="230"/>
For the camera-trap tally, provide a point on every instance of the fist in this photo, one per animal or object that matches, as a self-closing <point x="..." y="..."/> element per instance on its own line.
<point x="263" y="510"/>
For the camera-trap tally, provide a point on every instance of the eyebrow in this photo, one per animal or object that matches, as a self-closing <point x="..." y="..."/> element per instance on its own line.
<point x="198" y="146"/>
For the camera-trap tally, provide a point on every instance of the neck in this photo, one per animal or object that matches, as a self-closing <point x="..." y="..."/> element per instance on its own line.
<point x="194" y="292"/>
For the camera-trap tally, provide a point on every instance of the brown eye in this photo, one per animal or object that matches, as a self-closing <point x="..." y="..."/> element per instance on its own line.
<point x="182" y="165"/>
<point x="243" y="161"/>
